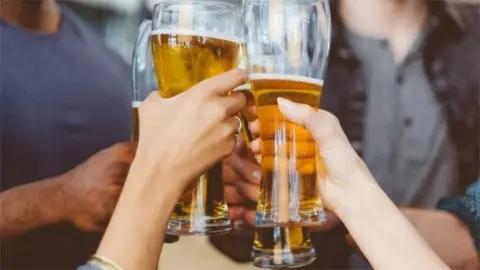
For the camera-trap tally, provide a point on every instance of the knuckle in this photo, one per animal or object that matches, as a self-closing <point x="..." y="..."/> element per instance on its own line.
<point x="228" y="130"/>
<point x="218" y="110"/>
<point x="239" y="75"/>
<point x="329" y="118"/>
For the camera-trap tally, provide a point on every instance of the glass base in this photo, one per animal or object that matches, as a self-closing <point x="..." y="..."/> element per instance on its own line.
<point x="200" y="226"/>
<point x="268" y="258"/>
<point x="313" y="218"/>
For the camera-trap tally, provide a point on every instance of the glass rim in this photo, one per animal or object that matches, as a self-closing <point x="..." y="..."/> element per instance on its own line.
<point x="193" y="2"/>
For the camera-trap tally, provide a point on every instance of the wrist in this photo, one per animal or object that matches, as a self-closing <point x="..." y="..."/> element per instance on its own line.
<point x="150" y="180"/>
<point x="359" y="200"/>
<point x="59" y="210"/>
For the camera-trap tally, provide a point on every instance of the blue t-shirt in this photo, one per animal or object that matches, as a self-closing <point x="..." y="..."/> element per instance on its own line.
<point x="63" y="97"/>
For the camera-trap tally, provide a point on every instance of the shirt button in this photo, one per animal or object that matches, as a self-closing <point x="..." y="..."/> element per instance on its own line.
<point x="408" y="122"/>
<point x="384" y="43"/>
<point x="400" y="78"/>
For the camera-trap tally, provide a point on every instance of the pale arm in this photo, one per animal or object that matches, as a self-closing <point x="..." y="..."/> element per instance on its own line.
<point x="139" y="221"/>
<point x="385" y="236"/>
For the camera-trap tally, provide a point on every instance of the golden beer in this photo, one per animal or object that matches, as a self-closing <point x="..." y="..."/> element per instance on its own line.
<point x="278" y="247"/>
<point x="289" y="193"/>
<point x="183" y="59"/>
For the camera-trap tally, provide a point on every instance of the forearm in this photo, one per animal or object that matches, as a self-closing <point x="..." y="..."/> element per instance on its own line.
<point x="384" y="235"/>
<point x="31" y="206"/>
<point x="446" y="235"/>
<point x="135" y="235"/>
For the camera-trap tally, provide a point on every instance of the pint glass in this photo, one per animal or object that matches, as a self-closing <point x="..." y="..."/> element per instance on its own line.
<point x="287" y="44"/>
<point x="278" y="247"/>
<point x="192" y="41"/>
<point x="275" y="247"/>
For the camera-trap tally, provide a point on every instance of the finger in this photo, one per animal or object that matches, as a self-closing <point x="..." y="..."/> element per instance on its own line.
<point x="236" y="212"/>
<point x="246" y="169"/>
<point x="248" y="190"/>
<point x="232" y="126"/>
<point x="222" y="84"/>
<point x="241" y="148"/>
<point x="253" y="111"/>
<point x="228" y="174"/>
<point x="256" y="146"/>
<point x="233" y="103"/>
<point x="232" y="197"/>
<point x="333" y="145"/>
<point x="322" y="125"/>
<point x="249" y="218"/>
<point x="332" y="222"/>
<point x="258" y="158"/>
<point x="254" y="127"/>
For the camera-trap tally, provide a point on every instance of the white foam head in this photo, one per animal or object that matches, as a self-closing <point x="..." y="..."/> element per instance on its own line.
<point x="284" y="77"/>
<point x="196" y="33"/>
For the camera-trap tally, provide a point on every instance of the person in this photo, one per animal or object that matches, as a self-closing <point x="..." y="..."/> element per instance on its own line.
<point x="163" y="169"/>
<point x="403" y="80"/>
<point x="65" y="113"/>
<point x="374" y="221"/>
<point x="453" y="233"/>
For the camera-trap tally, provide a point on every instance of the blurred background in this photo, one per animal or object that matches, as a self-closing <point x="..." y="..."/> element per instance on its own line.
<point x="117" y="22"/>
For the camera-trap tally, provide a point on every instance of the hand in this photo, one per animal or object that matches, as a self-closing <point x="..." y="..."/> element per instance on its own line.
<point x="185" y="135"/>
<point x="241" y="176"/>
<point x="92" y="189"/>
<point x="344" y="169"/>
<point x="250" y="188"/>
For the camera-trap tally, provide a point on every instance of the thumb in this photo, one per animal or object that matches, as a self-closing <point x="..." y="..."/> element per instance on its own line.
<point x="324" y="127"/>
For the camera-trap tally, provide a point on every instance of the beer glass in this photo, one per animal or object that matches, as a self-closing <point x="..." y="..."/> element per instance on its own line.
<point x="275" y="247"/>
<point x="144" y="82"/>
<point x="282" y="247"/>
<point x="192" y="41"/>
<point x="287" y="44"/>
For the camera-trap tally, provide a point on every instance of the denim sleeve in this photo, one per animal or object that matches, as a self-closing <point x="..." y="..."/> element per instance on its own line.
<point x="467" y="208"/>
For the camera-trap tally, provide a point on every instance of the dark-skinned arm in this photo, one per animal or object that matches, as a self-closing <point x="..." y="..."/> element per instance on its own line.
<point x="31" y="206"/>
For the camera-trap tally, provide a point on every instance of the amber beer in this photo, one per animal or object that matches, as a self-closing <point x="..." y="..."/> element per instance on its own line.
<point x="289" y="192"/>
<point x="278" y="247"/>
<point x="182" y="59"/>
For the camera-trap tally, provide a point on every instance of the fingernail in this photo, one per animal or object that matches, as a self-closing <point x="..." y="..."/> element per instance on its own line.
<point x="257" y="174"/>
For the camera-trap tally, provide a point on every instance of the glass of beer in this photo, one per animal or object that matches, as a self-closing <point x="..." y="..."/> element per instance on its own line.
<point x="274" y="247"/>
<point x="287" y="44"/>
<point x="282" y="247"/>
<point x="192" y="41"/>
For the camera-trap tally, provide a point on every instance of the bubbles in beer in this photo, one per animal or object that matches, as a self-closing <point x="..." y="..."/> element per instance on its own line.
<point x="184" y="58"/>
<point x="289" y="192"/>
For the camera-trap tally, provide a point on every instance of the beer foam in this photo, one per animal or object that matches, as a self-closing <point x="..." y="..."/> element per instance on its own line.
<point x="284" y="77"/>
<point x="186" y="32"/>
<point x="136" y="104"/>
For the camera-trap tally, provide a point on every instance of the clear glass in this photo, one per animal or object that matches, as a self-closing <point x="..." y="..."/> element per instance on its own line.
<point x="274" y="247"/>
<point x="287" y="45"/>
<point x="278" y="247"/>
<point x="192" y="41"/>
